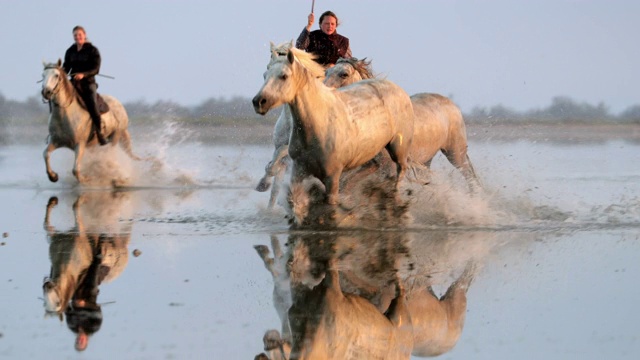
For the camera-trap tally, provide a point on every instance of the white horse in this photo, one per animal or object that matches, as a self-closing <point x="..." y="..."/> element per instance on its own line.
<point x="334" y="130"/>
<point x="70" y="125"/>
<point x="438" y="126"/>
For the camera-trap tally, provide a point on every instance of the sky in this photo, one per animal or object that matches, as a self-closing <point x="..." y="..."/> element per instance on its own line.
<point x="517" y="53"/>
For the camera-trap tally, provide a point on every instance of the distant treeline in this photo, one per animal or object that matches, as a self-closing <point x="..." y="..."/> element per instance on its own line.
<point x="220" y="111"/>
<point x="563" y="110"/>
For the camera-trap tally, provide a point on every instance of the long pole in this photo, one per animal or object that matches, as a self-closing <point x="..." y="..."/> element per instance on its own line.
<point x="313" y="3"/>
<point x="106" y="76"/>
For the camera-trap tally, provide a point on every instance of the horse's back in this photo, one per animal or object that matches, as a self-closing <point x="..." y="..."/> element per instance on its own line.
<point x="445" y="109"/>
<point x="438" y="125"/>
<point x="378" y="88"/>
<point x="379" y="98"/>
<point x="117" y="111"/>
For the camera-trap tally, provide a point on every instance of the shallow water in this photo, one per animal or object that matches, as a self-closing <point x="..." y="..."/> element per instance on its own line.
<point x="555" y="240"/>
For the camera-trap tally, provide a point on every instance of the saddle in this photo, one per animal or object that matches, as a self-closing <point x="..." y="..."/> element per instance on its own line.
<point x="103" y="107"/>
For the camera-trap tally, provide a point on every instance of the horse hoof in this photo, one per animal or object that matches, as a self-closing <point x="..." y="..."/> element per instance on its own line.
<point x="263" y="185"/>
<point x="53" y="201"/>
<point x="53" y="177"/>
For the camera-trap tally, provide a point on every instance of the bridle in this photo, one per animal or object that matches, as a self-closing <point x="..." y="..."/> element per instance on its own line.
<point x="56" y="89"/>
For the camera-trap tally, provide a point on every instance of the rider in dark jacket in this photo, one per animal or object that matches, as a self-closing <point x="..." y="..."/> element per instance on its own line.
<point x="326" y="43"/>
<point x="82" y="62"/>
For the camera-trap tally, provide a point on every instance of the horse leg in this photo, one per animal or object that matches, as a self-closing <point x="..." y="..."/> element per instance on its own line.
<point x="281" y="286"/>
<point x="460" y="160"/>
<point x="53" y="176"/>
<point x="53" y="201"/>
<point x="399" y="316"/>
<point x="421" y="173"/>
<point x="454" y="301"/>
<point x="397" y="312"/>
<point x="272" y="168"/>
<point x="279" y="176"/>
<point x="79" y="153"/>
<point x="399" y="153"/>
<point x="263" y="252"/>
<point x="332" y="187"/>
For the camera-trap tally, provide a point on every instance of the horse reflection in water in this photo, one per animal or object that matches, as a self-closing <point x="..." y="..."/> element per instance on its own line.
<point x="366" y="295"/>
<point x="94" y="251"/>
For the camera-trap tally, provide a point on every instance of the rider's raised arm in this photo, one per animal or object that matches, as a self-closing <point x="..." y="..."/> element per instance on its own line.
<point x="302" y="42"/>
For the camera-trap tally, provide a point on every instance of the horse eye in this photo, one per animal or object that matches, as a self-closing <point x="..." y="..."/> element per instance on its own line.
<point x="283" y="77"/>
<point x="344" y="75"/>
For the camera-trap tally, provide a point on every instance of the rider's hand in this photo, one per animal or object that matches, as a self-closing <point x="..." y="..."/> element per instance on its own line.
<point x="78" y="76"/>
<point x="310" y="21"/>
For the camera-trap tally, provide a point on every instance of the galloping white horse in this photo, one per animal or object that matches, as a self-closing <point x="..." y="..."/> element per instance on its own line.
<point x="438" y="126"/>
<point x="70" y="124"/>
<point x="334" y="130"/>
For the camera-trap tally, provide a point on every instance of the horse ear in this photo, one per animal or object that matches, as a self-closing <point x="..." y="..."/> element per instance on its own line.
<point x="291" y="44"/>
<point x="59" y="62"/>
<point x="290" y="56"/>
<point x="272" y="46"/>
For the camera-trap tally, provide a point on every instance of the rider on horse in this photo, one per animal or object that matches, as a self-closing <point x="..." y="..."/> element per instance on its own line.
<point x="82" y="62"/>
<point x="326" y="43"/>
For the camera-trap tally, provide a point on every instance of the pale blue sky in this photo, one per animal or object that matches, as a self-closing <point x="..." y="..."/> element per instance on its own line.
<point x="512" y="52"/>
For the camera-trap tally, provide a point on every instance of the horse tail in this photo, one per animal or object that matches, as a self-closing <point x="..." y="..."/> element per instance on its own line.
<point x="472" y="171"/>
<point x="126" y="145"/>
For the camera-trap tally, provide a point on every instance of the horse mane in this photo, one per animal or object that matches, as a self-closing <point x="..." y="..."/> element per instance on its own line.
<point x="68" y="87"/>
<point x="363" y="67"/>
<point x="308" y="61"/>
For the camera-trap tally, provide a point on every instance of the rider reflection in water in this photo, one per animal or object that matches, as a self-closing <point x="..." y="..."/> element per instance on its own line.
<point x="84" y="315"/>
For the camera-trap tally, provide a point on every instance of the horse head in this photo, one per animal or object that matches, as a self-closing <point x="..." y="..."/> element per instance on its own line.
<point x="53" y="79"/>
<point x="283" y="78"/>
<point x="53" y="304"/>
<point x="348" y="71"/>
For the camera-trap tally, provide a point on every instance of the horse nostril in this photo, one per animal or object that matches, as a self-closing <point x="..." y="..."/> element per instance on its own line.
<point x="259" y="102"/>
<point x="256" y="101"/>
